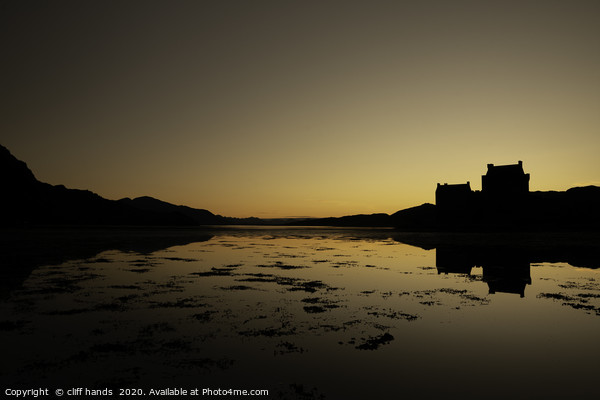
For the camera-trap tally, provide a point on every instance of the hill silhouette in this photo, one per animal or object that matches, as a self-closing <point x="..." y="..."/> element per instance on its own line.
<point x="27" y="201"/>
<point x="367" y="220"/>
<point x="415" y="218"/>
<point x="196" y="216"/>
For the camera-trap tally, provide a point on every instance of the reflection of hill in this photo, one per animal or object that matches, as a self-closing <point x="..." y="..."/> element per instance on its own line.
<point x="21" y="251"/>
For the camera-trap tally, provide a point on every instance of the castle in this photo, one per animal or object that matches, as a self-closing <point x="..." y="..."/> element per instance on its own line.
<point x="502" y="199"/>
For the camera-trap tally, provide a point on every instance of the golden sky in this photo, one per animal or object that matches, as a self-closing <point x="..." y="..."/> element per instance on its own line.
<point x="300" y="108"/>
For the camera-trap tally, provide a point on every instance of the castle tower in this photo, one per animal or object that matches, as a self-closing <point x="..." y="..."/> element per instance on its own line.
<point x="505" y="180"/>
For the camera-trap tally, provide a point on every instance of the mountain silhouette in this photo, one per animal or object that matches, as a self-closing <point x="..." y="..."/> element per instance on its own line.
<point x="415" y="218"/>
<point x="27" y="201"/>
<point x="150" y="204"/>
<point x="370" y="220"/>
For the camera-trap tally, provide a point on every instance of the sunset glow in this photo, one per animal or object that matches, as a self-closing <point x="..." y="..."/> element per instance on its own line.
<point x="276" y="109"/>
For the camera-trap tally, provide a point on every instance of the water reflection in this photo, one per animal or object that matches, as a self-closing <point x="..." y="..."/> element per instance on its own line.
<point x="576" y="249"/>
<point x="505" y="259"/>
<point x="305" y="313"/>
<point x="505" y="269"/>
<point x="23" y="250"/>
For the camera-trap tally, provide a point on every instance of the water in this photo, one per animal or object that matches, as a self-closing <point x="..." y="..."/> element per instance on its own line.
<point x="316" y="313"/>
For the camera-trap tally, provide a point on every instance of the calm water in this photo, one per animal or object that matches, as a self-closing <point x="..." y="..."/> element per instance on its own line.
<point x="309" y="314"/>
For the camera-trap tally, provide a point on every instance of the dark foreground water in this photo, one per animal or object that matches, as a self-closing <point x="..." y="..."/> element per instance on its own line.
<point x="306" y="314"/>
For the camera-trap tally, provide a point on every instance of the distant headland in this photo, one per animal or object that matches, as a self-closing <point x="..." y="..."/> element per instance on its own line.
<point x="504" y="203"/>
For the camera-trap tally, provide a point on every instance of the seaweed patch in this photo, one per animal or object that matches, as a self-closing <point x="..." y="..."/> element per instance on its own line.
<point x="373" y="343"/>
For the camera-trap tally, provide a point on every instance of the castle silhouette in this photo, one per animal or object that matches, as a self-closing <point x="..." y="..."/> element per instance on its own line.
<point x="502" y="201"/>
<point x="505" y="203"/>
<point x="500" y="181"/>
<point x="506" y="182"/>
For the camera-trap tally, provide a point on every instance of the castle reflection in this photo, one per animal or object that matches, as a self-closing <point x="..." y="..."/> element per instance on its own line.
<point x="505" y="258"/>
<point x="505" y="269"/>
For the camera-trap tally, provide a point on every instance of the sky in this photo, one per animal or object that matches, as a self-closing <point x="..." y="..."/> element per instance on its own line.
<point x="300" y="108"/>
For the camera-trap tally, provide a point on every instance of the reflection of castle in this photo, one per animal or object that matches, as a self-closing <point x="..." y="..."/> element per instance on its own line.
<point x="505" y="269"/>
<point x="501" y="201"/>
<point x="507" y="279"/>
